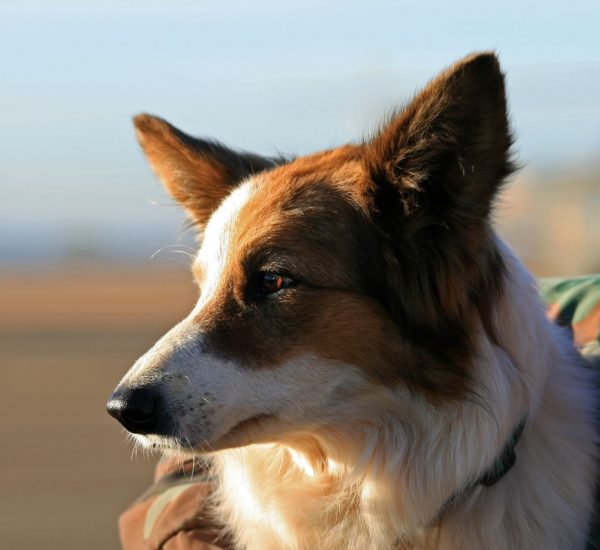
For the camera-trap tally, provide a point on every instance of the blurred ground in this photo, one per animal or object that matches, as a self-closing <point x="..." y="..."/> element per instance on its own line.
<point x="551" y="219"/>
<point x="66" y="338"/>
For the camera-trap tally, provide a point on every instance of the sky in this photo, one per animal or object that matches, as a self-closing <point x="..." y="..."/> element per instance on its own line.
<point x="290" y="77"/>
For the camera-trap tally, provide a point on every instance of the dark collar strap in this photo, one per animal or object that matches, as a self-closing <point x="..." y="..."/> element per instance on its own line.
<point x="498" y="470"/>
<point x="504" y="462"/>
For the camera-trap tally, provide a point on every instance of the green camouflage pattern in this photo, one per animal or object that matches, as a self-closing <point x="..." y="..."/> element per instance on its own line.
<point x="575" y="302"/>
<point x="172" y="515"/>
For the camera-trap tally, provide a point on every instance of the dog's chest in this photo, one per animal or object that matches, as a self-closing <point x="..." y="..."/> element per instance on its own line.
<point x="271" y="504"/>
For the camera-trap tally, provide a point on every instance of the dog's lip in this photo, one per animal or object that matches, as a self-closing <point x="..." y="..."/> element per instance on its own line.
<point x="233" y="437"/>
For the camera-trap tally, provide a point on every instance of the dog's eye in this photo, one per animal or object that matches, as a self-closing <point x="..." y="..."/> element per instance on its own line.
<point x="267" y="283"/>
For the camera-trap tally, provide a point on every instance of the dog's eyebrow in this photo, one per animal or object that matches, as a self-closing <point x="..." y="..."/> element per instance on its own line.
<point x="278" y="260"/>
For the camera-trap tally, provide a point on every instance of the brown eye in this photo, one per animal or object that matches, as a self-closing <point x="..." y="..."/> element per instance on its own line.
<point x="269" y="283"/>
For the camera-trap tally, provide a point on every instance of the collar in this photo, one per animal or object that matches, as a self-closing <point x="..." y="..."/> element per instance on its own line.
<point x="497" y="470"/>
<point x="504" y="462"/>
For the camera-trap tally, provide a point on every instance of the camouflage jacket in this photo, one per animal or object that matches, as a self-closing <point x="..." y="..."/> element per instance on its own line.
<point x="172" y="513"/>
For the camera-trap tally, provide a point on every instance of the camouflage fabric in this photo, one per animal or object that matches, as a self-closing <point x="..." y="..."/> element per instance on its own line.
<point x="171" y="515"/>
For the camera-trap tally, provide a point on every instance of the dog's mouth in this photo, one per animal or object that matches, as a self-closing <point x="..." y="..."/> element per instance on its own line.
<point x="255" y="429"/>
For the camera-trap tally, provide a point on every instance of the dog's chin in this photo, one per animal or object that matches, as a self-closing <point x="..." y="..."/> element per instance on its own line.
<point x="260" y="428"/>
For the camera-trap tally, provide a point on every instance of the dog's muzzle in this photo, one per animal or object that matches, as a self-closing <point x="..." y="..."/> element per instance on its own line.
<point x="137" y="408"/>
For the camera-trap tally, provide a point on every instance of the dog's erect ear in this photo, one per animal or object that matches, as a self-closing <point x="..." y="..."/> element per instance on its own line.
<point x="442" y="158"/>
<point x="432" y="174"/>
<point x="198" y="173"/>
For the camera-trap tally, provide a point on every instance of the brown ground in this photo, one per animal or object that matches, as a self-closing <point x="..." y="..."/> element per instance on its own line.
<point x="66" y="338"/>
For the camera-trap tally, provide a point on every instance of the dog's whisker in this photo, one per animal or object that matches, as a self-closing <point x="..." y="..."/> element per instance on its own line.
<point x="174" y="249"/>
<point x="187" y="440"/>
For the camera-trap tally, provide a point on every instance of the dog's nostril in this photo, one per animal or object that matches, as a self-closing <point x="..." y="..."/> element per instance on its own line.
<point x="135" y="408"/>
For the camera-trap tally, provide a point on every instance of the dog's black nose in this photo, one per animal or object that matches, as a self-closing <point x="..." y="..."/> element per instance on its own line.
<point x="136" y="408"/>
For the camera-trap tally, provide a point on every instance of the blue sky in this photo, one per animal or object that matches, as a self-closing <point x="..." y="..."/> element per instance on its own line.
<point x="264" y="76"/>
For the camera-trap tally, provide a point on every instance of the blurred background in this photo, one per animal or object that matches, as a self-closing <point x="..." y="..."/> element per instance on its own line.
<point x="93" y="263"/>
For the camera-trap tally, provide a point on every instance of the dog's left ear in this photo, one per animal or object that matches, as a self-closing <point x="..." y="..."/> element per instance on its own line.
<point x="442" y="159"/>
<point x="432" y="174"/>
<point x="198" y="173"/>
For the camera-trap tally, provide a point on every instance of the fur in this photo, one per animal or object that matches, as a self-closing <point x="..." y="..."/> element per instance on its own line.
<point x="354" y="405"/>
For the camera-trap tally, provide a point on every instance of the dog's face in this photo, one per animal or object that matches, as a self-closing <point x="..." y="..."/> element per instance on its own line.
<point x="327" y="281"/>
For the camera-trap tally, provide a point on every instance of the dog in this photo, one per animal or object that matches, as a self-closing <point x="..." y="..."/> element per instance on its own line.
<point x="368" y="365"/>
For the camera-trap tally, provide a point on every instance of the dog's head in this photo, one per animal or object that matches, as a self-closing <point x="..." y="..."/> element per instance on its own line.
<point x="330" y="281"/>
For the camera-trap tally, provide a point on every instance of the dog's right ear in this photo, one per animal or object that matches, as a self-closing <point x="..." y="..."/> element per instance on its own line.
<point x="197" y="173"/>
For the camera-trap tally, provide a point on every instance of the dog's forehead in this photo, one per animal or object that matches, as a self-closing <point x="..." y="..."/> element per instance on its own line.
<point x="212" y="255"/>
<point x="308" y="186"/>
<point x="223" y="221"/>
